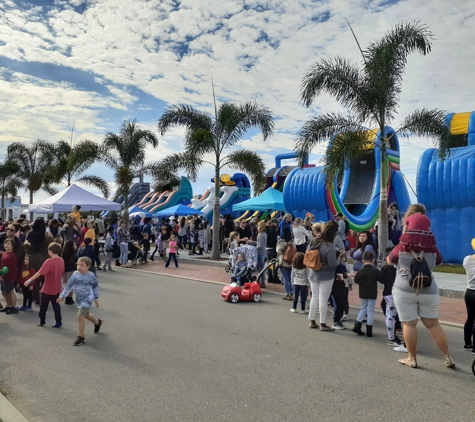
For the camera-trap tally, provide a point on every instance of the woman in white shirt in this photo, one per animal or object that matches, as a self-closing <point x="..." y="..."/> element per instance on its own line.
<point x="301" y="235"/>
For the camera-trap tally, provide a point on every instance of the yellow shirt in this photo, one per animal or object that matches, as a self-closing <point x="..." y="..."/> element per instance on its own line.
<point x="91" y="234"/>
<point x="77" y="216"/>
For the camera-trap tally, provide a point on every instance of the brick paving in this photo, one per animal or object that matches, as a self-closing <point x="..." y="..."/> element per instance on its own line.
<point x="451" y="311"/>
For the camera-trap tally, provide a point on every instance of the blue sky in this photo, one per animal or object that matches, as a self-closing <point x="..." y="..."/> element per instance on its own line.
<point x="97" y="62"/>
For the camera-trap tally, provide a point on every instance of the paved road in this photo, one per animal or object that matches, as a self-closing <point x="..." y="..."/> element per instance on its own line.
<point x="172" y="350"/>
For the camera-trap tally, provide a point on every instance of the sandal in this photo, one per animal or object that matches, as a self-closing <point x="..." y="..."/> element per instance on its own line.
<point x="412" y="363"/>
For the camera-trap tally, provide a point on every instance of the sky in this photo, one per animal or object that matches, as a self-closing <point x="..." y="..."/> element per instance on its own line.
<point x="95" y="63"/>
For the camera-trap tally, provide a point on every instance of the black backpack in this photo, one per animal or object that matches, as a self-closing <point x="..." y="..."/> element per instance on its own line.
<point x="419" y="271"/>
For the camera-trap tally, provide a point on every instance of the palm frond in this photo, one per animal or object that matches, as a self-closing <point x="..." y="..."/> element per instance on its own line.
<point x="96" y="181"/>
<point x="250" y="163"/>
<point x="167" y="168"/>
<point x="201" y="141"/>
<point x="323" y="128"/>
<point x="428" y="123"/>
<point x="184" y="115"/>
<point x="49" y="189"/>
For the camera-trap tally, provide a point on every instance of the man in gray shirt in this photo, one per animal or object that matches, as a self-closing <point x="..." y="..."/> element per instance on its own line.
<point x="341" y="226"/>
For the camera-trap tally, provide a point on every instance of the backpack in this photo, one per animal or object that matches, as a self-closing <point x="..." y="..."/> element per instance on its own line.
<point x="420" y="274"/>
<point x="289" y="253"/>
<point x="312" y="260"/>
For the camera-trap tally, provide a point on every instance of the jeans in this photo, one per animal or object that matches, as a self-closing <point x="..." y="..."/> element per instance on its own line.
<point x="170" y="256"/>
<point x="261" y="262"/>
<point x="45" y="300"/>
<point x="108" y="260"/>
<point x="124" y="254"/>
<point x="469" y="327"/>
<point x="287" y="277"/>
<point x="339" y="295"/>
<point x="302" y="291"/>
<point x="321" y="291"/>
<point x="367" y="308"/>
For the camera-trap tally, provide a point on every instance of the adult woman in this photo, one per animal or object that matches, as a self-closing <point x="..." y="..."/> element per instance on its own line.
<point x="469" y="327"/>
<point x="322" y="281"/>
<point x="364" y="244"/>
<point x="53" y="228"/>
<point x="38" y="251"/>
<point x="123" y="239"/>
<point x="308" y="222"/>
<point x="182" y="228"/>
<point x="317" y="228"/>
<point x="286" y="222"/>
<point x="88" y="231"/>
<point x="411" y="302"/>
<point x="228" y="227"/>
<point x="261" y="245"/>
<point x="285" y="266"/>
<point x="253" y="227"/>
<point x="206" y="236"/>
<point x="301" y="234"/>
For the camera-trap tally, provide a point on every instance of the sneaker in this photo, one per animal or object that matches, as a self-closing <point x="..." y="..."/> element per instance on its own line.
<point x="396" y="341"/>
<point x="448" y="362"/>
<point x="400" y="348"/>
<point x="27" y="309"/>
<point x="40" y="324"/>
<point x="110" y="269"/>
<point x="79" y="341"/>
<point x="338" y="326"/>
<point x="5" y="309"/>
<point x="57" y="325"/>
<point x="473" y="351"/>
<point x="11" y="311"/>
<point x="22" y="309"/>
<point x="304" y="311"/>
<point x="293" y="310"/>
<point x="1" y="306"/>
<point x="326" y="328"/>
<point x="97" y="326"/>
<point x="468" y="347"/>
<point x="345" y="318"/>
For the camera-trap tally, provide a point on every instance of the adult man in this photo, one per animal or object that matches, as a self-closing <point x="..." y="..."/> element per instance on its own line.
<point x="244" y="231"/>
<point x="10" y="234"/>
<point x="272" y="237"/>
<point x="70" y="231"/>
<point x="341" y="233"/>
<point x="285" y="222"/>
<point x="100" y="226"/>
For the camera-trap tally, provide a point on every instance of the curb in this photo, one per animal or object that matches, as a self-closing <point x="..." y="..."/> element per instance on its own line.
<point x="446" y="323"/>
<point x="8" y="412"/>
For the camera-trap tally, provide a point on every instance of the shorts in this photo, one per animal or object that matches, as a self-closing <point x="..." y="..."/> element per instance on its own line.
<point x="83" y="312"/>
<point x="410" y="307"/>
<point x="7" y="285"/>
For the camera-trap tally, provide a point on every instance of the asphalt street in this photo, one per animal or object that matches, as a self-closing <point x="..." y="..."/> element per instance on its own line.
<point x="173" y="350"/>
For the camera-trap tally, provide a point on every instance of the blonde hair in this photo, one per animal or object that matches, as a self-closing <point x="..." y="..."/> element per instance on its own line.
<point x="86" y="260"/>
<point x="318" y="227"/>
<point x="308" y="220"/>
<point x="288" y="216"/>
<point x="232" y="236"/>
<point x="413" y="209"/>
<point x="261" y="227"/>
<point x="298" y="222"/>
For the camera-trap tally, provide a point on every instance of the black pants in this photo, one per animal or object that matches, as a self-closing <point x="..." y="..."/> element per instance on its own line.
<point x="27" y="296"/>
<point x="469" y="327"/>
<point x="272" y="272"/>
<point x="301" y="248"/>
<point x="45" y="300"/>
<point x="339" y="299"/>
<point x="170" y="256"/>
<point x="397" y="325"/>
<point x="36" y="289"/>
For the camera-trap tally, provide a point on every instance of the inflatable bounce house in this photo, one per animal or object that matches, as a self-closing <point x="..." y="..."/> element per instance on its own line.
<point x="355" y="193"/>
<point x="234" y="189"/>
<point x="447" y="189"/>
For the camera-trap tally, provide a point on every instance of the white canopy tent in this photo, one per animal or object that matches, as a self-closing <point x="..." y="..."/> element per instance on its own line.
<point x="73" y="195"/>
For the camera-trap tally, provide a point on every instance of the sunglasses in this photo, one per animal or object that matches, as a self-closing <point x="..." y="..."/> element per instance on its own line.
<point x="11" y="230"/>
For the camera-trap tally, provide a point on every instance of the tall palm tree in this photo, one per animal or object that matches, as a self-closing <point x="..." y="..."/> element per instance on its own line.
<point x="215" y="137"/>
<point x="35" y="162"/>
<point x="10" y="181"/>
<point x="370" y="94"/>
<point x="72" y="161"/>
<point x="124" y="153"/>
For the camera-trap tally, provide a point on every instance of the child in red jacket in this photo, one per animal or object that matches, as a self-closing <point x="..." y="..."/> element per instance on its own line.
<point x="8" y="280"/>
<point x="26" y="273"/>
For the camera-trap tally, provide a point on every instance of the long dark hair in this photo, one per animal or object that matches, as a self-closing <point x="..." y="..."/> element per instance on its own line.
<point x="369" y="240"/>
<point x="297" y="262"/>
<point x="182" y="222"/>
<point x="68" y="251"/>
<point x="37" y="235"/>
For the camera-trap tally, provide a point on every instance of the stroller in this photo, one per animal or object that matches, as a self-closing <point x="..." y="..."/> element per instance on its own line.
<point x="250" y="253"/>
<point x="135" y="254"/>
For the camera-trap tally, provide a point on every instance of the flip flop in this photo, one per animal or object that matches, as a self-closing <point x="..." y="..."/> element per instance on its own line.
<point x="412" y="363"/>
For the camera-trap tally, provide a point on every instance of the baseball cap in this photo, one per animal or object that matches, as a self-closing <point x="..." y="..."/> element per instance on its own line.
<point x="339" y="214"/>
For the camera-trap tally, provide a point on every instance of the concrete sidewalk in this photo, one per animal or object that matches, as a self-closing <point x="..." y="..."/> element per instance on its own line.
<point x="452" y="287"/>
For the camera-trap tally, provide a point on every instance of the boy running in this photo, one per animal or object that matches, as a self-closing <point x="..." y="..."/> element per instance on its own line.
<point x="86" y="289"/>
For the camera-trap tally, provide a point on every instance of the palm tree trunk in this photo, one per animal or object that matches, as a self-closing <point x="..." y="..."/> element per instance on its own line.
<point x="215" y="251"/>
<point x="126" y="206"/>
<point x="3" y="207"/>
<point x="383" y="203"/>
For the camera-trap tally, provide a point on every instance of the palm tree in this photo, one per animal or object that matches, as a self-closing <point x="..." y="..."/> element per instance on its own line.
<point x="125" y="154"/>
<point x="205" y="136"/>
<point x="35" y="163"/>
<point x="72" y="161"/>
<point x="10" y="182"/>
<point x="370" y="94"/>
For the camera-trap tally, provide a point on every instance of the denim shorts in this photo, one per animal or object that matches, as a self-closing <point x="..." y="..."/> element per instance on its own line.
<point x="7" y="285"/>
<point x="83" y="312"/>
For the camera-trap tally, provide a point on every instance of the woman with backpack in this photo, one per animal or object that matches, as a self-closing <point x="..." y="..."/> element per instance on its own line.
<point x="415" y="291"/>
<point x="285" y="252"/>
<point x="322" y="280"/>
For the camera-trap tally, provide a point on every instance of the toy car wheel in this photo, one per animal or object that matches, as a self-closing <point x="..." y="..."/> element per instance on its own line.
<point x="256" y="297"/>
<point x="227" y="268"/>
<point x="234" y="298"/>
<point x="134" y="262"/>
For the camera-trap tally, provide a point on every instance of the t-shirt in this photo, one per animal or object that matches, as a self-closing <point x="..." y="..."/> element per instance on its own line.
<point x="9" y="260"/>
<point x="166" y="231"/>
<point x="91" y="234"/>
<point x="172" y="247"/>
<point x="52" y="270"/>
<point x="469" y="265"/>
<point x="25" y="275"/>
<point x="244" y="232"/>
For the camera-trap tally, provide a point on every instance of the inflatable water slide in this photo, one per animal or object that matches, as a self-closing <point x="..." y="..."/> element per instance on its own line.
<point x="447" y="189"/>
<point x="234" y="189"/>
<point x="157" y="201"/>
<point x="356" y="191"/>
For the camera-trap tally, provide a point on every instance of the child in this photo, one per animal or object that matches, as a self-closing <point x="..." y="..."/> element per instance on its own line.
<point x="145" y="243"/>
<point x="109" y="248"/>
<point x="52" y="271"/>
<point x="239" y="269"/>
<point x="192" y="237"/>
<point x="300" y="282"/>
<point x="393" y="212"/>
<point x="86" y="289"/>
<point x="158" y="246"/>
<point x="172" y="249"/>
<point x="348" y="289"/>
<point x="26" y="273"/>
<point x="339" y="293"/>
<point x="9" y="260"/>
<point x="367" y="279"/>
<point x="233" y="241"/>
<point x="201" y="238"/>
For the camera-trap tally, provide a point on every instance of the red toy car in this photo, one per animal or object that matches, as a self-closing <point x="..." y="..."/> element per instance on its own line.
<point x="234" y="292"/>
